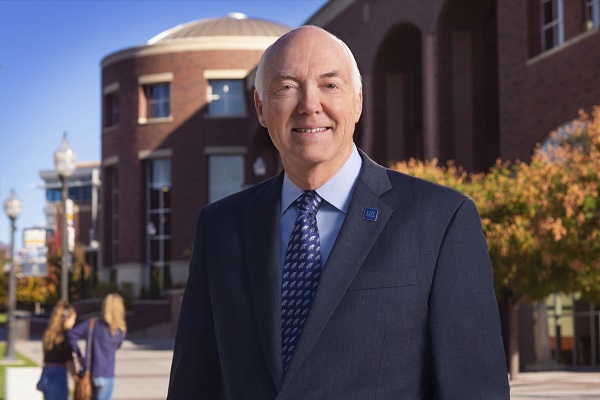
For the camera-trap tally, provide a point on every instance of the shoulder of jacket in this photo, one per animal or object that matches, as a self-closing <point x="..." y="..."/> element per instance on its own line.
<point x="428" y="197"/>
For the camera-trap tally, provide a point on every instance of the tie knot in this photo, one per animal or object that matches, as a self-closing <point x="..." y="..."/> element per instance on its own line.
<point x="308" y="202"/>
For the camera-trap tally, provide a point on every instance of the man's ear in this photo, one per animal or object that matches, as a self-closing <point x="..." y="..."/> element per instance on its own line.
<point x="359" y="105"/>
<point x="259" y="109"/>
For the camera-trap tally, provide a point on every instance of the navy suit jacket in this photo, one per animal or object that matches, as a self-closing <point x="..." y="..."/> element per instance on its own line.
<point x="405" y="307"/>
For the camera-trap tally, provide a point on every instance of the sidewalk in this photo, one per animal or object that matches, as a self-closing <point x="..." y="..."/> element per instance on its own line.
<point x="142" y="373"/>
<point x="142" y="370"/>
<point x="556" y="385"/>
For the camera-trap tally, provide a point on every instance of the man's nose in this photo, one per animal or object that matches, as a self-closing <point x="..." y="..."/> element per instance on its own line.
<point x="310" y="100"/>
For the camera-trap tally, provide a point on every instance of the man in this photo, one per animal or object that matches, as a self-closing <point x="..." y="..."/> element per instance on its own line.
<point x="337" y="279"/>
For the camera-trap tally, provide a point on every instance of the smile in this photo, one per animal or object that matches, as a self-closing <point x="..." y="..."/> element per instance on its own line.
<point x="313" y="130"/>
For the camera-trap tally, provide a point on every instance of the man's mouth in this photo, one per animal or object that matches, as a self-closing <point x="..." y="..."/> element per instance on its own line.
<point x="311" y="130"/>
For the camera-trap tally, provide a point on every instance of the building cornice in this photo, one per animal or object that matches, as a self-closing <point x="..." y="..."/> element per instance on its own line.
<point x="192" y="44"/>
<point x="110" y="161"/>
<point x="155" y="153"/>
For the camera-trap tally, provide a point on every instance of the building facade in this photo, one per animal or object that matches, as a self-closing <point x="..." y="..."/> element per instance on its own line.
<point x="179" y="131"/>
<point x="84" y="190"/>
<point x="468" y="80"/>
<point x="463" y="80"/>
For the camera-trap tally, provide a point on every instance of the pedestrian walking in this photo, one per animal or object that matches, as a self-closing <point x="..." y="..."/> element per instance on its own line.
<point x="57" y="353"/>
<point x="108" y="333"/>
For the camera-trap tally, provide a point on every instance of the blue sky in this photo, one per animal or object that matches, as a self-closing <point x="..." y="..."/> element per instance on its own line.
<point x="50" y="53"/>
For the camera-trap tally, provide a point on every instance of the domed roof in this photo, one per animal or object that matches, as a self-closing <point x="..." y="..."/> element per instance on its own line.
<point x="233" y="24"/>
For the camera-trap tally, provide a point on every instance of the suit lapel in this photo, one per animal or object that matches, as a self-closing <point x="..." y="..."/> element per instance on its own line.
<point x="354" y="242"/>
<point x="261" y="236"/>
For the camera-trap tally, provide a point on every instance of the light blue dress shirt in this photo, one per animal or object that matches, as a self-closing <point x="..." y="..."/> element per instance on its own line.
<point x="336" y="194"/>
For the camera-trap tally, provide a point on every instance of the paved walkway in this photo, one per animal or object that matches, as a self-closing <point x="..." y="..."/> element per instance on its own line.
<point x="142" y="373"/>
<point x="556" y="385"/>
<point x="142" y="370"/>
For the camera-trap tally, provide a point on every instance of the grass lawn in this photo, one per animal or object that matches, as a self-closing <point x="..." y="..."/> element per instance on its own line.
<point x="26" y="363"/>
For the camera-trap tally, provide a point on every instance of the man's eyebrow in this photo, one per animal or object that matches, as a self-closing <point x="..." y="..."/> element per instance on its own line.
<point x="331" y="74"/>
<point x="284" y="75"/>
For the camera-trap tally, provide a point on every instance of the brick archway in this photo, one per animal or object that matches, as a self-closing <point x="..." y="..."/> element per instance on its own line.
<point x="398" y="87"/>
<point x="468" y="85"/>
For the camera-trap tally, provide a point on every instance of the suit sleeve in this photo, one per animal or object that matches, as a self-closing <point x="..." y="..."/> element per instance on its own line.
<point x="467" y="352"/>
<point x="195" y="370"/>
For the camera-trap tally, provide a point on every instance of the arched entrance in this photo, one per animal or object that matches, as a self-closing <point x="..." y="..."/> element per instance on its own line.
<point x="398" y="96"/>
<point x="468" y="96"/>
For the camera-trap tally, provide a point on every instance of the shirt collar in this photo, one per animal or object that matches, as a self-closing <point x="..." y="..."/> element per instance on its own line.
<point x="337" y="191"/>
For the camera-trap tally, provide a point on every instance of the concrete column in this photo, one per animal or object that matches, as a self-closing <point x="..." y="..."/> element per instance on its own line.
<point x="462" y="99"/>
<point x="395" y="108"/>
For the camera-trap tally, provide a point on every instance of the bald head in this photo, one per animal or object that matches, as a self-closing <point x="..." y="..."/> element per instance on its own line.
<point x="309" y="97"/>
<point x="288" y="39"/>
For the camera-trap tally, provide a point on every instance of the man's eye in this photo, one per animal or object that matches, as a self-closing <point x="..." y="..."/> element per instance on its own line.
<point x="331" y="86"/>
<point x="287" y="87"/>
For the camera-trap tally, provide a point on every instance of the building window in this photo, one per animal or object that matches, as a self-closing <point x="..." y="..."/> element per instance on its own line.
<point x="226" y="175"/>
<point x="111" y="110"/>
<point x="552" y="24"/>
<point x="592" y="14"/>
<point x="53" y="195"/>
<point x="158" y="224"/>
<point x="226" y="97"/>
<point x="157" y="100"/>
<point x="79" y="194"/>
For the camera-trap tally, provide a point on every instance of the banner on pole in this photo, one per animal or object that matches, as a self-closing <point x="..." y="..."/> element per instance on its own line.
<point x="34" y="253"/>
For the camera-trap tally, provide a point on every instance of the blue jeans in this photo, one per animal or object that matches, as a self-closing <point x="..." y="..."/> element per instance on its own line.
<point x="103" y="388"/>
<point x="53" y="383"/>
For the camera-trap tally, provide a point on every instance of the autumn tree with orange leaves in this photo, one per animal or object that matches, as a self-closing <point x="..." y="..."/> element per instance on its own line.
<point x="541" y="219"/>
<point x="79" y="276"/>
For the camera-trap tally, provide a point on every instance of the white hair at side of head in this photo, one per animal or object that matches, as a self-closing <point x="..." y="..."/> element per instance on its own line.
<point x="259" y="83"/>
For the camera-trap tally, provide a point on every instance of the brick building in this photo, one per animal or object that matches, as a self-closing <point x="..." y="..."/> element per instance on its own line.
<point x="179" y="131"/>
<point x="467" y="80"/>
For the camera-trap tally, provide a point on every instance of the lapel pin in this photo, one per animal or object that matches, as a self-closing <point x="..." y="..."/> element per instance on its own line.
<point x="370" y="214"/>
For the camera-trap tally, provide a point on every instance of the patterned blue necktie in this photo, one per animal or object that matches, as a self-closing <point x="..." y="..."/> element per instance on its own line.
<point x="301" y="270"/>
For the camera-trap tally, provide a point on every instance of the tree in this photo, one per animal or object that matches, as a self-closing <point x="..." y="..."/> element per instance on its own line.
<point x="46" y="289"/>
<point x="79" y="277"/>
<point x="569" y="220"/>
<point x="541" y="218"/>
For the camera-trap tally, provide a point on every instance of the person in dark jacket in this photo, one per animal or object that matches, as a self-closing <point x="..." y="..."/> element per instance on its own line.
<point x="57" y="353"/>
<point x="107" y="336"/>
<point x="338" y="278"/>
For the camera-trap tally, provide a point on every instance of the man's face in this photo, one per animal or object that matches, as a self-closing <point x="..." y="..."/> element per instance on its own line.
<point x="309" y="105"/>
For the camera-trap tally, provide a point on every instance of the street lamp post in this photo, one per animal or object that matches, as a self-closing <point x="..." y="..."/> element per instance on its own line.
<point x="12" y="206"/>
<point x="64" y="163"/>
